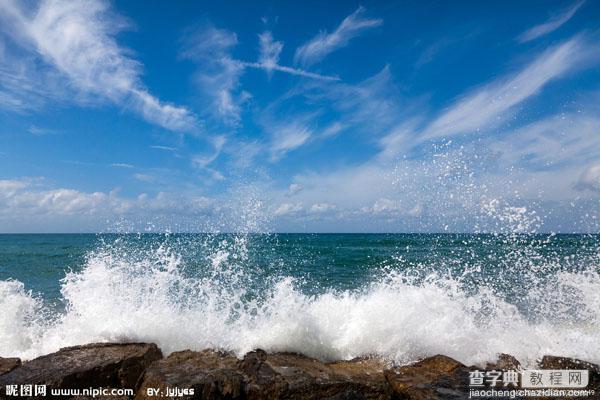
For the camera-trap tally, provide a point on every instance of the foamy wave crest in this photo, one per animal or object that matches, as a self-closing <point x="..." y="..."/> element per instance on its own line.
<point x="120" y="296"/>
<point x="22" y="320"/>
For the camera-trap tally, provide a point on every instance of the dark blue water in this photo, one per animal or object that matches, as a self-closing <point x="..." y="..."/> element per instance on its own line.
<point x="319" y="261"/>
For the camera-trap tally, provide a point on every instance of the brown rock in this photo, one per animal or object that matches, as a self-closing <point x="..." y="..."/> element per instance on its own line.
<point x="294" y="376"/>
<point x="366" y="371"/>
<point x="552" y="362"/>
<point x="437" y="377"/>
<point x="8" y="364"/>
<point x="207" y="374"/>
<point x="503" y="363"/>
<point x="93" y="365"/>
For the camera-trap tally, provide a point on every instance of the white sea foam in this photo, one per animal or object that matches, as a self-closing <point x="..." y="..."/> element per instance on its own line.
<point x="118" y="297"/>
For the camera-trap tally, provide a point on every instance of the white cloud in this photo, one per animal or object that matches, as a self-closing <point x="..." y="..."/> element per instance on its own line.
<point x="368" y="107"/>
<point x="401" y="138"/>
<point x="332" y="130"/>
<point x="122" y="165"/>
<point x="289" y="70"/>
<point x="24" y="86"/>
<point x="165" y="148"/>
<point x="269" y="60"/>
<point x="294" y="188"/>
<point x="165" y="115"/>
<point x="287" y="209"/>
<point x="288" y="137"/>
<point x="143" y="177"/>
<point x="372" y="104"/>
<point x="325" y="43"/>
<point x="552" y="24"/>
<point x="553" y="141"/>
<point x="78" y="39"/>
<point x="18" y="197"/>
<point x="384" y="205"/>
<point x="319" y="208"/>
<point x="269" y="50"/>
<point x="590" y="178"/>
<point x="28" y="205"/>
<point x="483" y="108"/>
<point x="203" y="161"/>
<point x="37" y="131"/>
<point x="219" y="73"/>
<point x="8" y="187"/>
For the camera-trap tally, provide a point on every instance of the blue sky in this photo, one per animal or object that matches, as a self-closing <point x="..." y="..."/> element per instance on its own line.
<point x="299" y="116"/>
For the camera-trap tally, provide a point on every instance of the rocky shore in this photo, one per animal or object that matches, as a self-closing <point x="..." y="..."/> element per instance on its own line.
<point x="211" y="374"/>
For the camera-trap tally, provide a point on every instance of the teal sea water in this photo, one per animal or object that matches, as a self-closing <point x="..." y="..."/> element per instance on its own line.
<point x="332" y="296"/>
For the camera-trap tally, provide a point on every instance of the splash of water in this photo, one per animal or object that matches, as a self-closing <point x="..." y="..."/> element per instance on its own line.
<point x="124" y="294"/>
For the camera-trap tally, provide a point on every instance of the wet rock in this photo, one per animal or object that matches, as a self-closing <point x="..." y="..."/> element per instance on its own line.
<point x="211" y="374"/>
<point x="207" y="374"/>
<point x="552" y="362"/>
<point x="503" y="363"/>
<point x="437" y="377"/>
<point x="294" y="376"/>
<point x="8" y="364"/>
<point x="93" y="365"/>
<point x="366" y="371"/>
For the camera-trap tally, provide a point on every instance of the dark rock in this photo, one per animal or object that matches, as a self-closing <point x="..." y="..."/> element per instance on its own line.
<point x="206" y="375"/>
<point x="94" y="365"/>
<point x="294" y="376"/>
<point x="8" y="364"/>
<point x="552" y="362"/>
<point x="503" y="363"/>
<point x="437" y="377"/>
<point x="366" y="371"/>
<point x="213" y="375"/>
<point x="218" y="375"/>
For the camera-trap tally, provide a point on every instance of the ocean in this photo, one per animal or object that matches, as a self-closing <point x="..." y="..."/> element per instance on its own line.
<point x="331" y="296"/>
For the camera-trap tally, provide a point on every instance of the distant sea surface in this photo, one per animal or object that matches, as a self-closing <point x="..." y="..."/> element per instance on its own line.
<point x="331" y="296"/>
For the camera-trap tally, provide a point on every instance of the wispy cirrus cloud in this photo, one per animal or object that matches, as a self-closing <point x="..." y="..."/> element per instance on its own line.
<point x="78" y="40"/>
<point x="287" y="137"/>
<point x="590" y="178"/>
<point x="38" y="131"/>
<point x="218" y="74"/>
<point x="329" y="108"/>
<point x="269" y="60"/>
<point x="218" y="142"/>
<point x="164" y="148"/>
<point x="122" y="165"/>
<point x="489" y="106"/>
<point x="484" y="106"/>
<point x="325" y="43"/>
<point x="291" y="71"/>
<point x="552" y="24"/>
<point x="568" y="138"/>
<point x="269" y="50"/>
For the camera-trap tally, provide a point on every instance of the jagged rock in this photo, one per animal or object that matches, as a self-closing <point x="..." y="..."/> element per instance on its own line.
<point x="294" y="376"/>
<point x="211" y="374"/>
<point x="552" y="362"/>
<point x="218" y="375"/>
<point x="503" y="363"/>
<point x="437" y="377"/>
<point x="93" y="365"/>
<point x="367" y="371"/>
<point x="8" y="364"/>
<point x="207" y="374"/>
